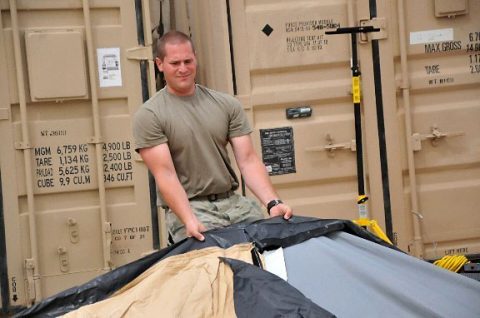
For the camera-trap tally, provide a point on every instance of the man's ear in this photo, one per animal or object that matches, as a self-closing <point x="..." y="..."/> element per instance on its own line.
<point x="159" y="64"/>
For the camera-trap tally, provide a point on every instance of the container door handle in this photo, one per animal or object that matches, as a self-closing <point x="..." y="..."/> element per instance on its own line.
<point x="331" y="146"/>
<point x="435" y="136"/>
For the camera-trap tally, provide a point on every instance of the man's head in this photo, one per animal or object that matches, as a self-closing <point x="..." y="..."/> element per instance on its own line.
<point x="176" y="59"/>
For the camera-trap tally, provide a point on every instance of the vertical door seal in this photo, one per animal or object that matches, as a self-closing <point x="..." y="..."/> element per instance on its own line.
<point x="381" y="128"/>
<point x="234" y="77"/>
<point x="4" y="290"/>
<point x="230" y="39"/>
<point x="145" y="97"/>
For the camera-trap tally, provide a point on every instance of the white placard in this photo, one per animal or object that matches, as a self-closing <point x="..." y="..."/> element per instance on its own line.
<point x="431" y="36"/>
<point x="275" y="263"/>
<point x="109" y="69"/>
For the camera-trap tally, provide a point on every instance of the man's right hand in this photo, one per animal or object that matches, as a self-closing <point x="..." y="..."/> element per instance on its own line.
<point x="194" y="228"/>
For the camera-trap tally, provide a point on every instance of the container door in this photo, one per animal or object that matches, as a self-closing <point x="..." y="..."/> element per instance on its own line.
<point x="75" y="194"/>
<point x="285" y="63"/>
<point x="442" y="62"/>
<point x="296" y="82"/>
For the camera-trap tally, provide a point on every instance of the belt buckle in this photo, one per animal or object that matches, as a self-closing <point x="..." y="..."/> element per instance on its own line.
<point x="212" y="197"/>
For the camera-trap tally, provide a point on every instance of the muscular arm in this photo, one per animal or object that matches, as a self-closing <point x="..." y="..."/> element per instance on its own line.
<point x="255" y="174"/>
<point x="159" y="162"/>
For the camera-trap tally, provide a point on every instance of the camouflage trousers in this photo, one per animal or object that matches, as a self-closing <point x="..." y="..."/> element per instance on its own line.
<point x="216" y="214"/>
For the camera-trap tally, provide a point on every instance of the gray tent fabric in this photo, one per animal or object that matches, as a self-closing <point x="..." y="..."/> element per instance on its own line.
<point x="353" y="277"/>
<point x="258" y="293"/>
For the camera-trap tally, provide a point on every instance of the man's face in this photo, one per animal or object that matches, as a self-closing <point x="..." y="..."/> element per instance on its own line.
<point x="179" y="67"/>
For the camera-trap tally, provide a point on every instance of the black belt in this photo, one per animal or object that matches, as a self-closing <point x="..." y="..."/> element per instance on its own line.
<point x="214" y="196"/>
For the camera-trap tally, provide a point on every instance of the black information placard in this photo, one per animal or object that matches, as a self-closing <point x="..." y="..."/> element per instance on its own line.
<point x="278" y="152"/>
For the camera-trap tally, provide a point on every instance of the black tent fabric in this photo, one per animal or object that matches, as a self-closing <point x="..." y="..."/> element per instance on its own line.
<point x="265" y="234"/>
<point x="258" y="293"/>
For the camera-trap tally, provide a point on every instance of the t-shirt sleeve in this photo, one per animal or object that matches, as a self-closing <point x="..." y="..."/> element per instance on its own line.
<point x="238" y="124"/>
<point x="147" y="130"/>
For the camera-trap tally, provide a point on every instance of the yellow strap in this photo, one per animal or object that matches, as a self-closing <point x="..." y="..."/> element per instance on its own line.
<point x="376" y="229"/>
<point x="356" y="89"/>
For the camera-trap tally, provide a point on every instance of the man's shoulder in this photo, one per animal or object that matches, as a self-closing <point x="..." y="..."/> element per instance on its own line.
<point x="150" y="109"/>
<point x="156" y="100"/>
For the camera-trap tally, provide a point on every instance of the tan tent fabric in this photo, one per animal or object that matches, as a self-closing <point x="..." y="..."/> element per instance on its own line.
<point x="195" y="284"/>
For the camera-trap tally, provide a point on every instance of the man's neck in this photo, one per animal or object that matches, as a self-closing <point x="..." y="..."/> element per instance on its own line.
<point x="190" y="92"/>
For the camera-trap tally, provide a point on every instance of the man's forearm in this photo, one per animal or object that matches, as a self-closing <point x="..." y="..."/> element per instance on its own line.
<point x="175" y="197"/>
<point x="159" y="162"/>
<point x="258" y="181"/>
<point x="256" y="177"/>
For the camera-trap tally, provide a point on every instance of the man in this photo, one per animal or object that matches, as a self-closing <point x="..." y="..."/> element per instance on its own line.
<point x="181" y="134"/>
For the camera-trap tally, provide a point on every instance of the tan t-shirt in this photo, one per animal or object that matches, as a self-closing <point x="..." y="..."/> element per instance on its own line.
<point x="197" y="129"/>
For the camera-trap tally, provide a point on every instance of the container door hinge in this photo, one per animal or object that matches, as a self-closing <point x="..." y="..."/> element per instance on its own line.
<point x="30" y="269"/>
<point x="140" y="53"/>
<point x="63" y="258"/>
<point x="378" y="23"/>
<point x="20" y="145"/>
<point x="434" y="137"/>
<point x="95" y="140"/>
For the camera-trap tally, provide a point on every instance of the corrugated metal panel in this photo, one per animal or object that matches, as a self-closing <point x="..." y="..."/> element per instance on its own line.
<point x="67" y="158"/>
<point x="444" y="72"/>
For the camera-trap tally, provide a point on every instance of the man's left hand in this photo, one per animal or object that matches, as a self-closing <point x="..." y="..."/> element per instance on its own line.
<point x="281" y="209"/>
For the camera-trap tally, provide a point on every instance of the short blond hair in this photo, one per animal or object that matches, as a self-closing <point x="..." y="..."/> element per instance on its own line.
<point x="172" y="37"/>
